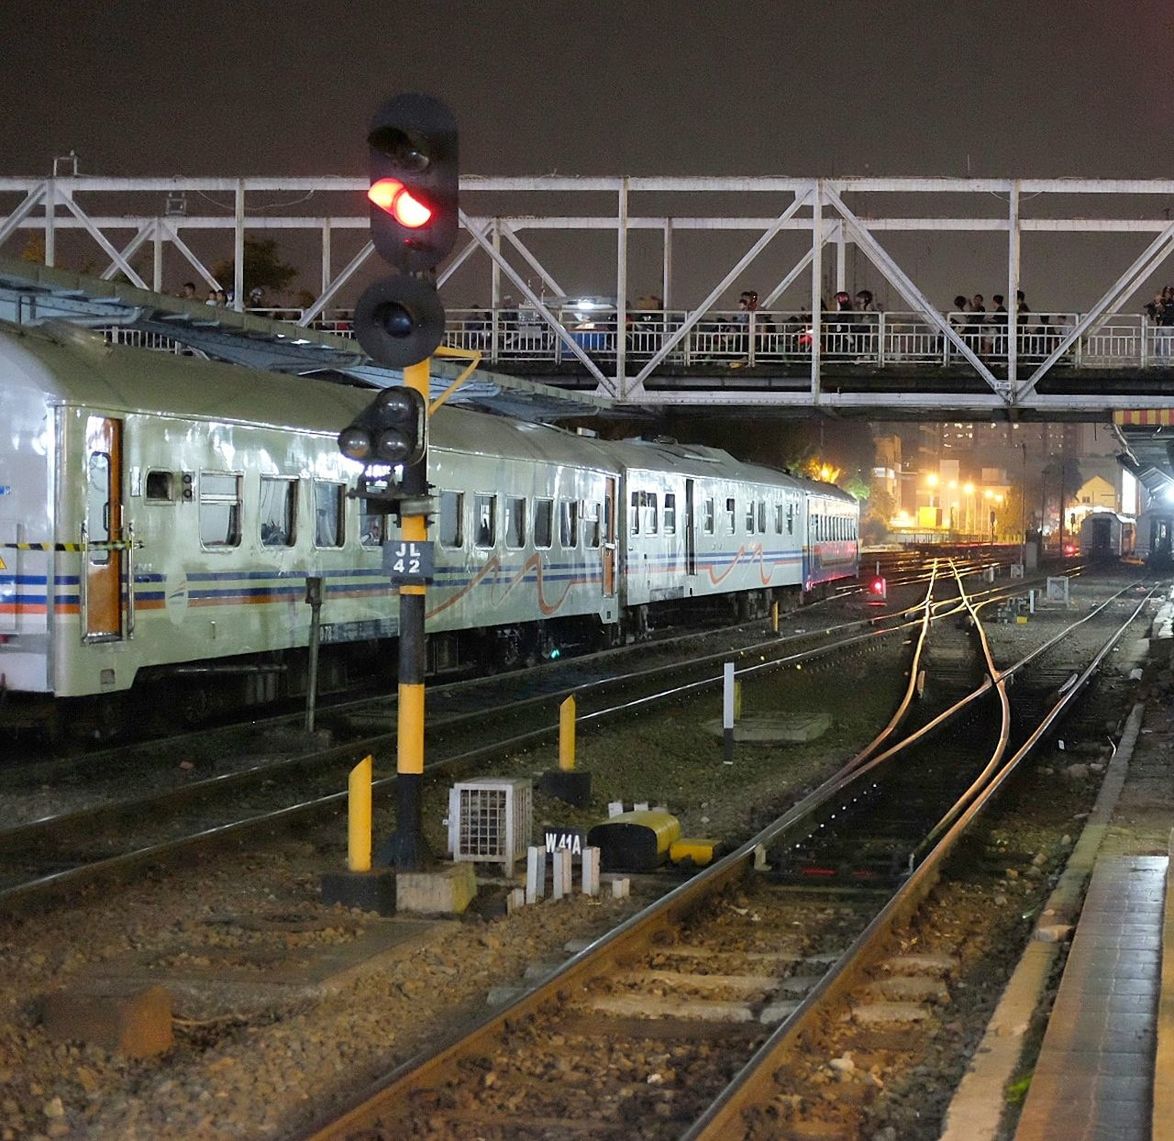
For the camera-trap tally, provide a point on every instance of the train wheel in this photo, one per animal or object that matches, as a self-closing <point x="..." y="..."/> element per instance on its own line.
<point x="641" y="629"/>
<point x="610" y="635"/>
<point x="195" y="705"/>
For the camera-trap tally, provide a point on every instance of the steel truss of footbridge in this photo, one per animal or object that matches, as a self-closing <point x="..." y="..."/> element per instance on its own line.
<point x="526" y="235"/>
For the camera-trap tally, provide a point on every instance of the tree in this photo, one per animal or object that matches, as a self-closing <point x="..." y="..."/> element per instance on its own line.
<point x="264" y="269"/>
<point x="879" y="509"/>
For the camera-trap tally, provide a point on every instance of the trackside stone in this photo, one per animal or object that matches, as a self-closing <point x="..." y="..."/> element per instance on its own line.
<point x="124" y="1018"/>
<point x="445" y="892"/>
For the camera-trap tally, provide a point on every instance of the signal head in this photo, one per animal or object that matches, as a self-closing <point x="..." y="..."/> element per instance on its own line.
<point x="391" y="430"/>
<point x="414" y="181"/>
<point x="399" y="321"/>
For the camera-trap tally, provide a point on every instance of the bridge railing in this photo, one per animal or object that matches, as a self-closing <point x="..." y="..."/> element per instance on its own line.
<point x="873" y="339"/>
<point x="727" y="339"/>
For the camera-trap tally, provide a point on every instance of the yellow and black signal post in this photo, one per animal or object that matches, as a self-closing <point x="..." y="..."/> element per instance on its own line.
<point x="399" y="321"/>
<point x="408" y="844"/>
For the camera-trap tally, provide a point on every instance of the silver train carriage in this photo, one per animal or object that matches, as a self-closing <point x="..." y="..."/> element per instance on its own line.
<point x="1107" y="535"/>
<point x="160" y="517"/>
<point x="1155" y="534"/>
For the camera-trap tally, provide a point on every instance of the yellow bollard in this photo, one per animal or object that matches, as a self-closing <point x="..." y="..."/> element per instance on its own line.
<point x="738" y="699"/>
<point x="359" y="816"/>
<point x="566" y="735"/>
<point x="774" y="617"/>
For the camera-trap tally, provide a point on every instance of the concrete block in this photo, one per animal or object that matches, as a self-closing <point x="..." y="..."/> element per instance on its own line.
<point x="120" y="1016"/>
<point x="535" y="873"/>
<point x="591" y="871"/>
<point x="615" y="808"/>
<point x="621" y="888"/>
<point x="515" y="901"/>
<point x="564" y="882"/>
<point x="368" y="891"/>
<point x="445" y="892"/>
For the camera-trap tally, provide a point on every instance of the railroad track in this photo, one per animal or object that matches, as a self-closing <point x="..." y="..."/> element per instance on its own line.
<point x="723" y="974"/>
<point x="472" y="727"/>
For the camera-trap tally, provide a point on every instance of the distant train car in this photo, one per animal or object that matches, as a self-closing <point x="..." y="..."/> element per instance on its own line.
<point x="160" y="517"/>
<point x="1107" y="535"/>
<point x="1155" y="533"/>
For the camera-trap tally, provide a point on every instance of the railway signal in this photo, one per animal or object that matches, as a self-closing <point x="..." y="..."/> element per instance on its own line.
<point x="399" y="321"/>
<point x="414" y="182"/>
<point x="391" y="430"/>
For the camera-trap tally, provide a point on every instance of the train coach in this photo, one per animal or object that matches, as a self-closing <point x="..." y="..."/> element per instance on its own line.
<point x="1107" y="535"/>
<point x="1155" y="534"/>
<point x="160" y="517"/>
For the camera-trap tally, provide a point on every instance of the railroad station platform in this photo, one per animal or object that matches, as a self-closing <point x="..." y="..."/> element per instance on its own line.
<point x="1105" y="1067"/>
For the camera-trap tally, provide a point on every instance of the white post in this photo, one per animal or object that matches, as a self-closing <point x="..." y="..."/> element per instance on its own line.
<point x="728" y="714"/>
<point x="564" y="882"/>
<point x="591" y="871"/>
<point x="535" y="873"/>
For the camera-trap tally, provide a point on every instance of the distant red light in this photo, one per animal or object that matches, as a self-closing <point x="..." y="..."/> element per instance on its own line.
<point x="391" y="195"/>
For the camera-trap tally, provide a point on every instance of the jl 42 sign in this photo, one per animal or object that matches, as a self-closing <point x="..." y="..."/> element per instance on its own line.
<point x="406" y="562"/>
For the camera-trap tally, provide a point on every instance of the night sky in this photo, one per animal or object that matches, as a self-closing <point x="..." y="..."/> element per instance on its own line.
<point x="794" y="88"/>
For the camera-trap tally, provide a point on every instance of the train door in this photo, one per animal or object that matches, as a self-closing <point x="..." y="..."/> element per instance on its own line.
<point x="690" y="531"/>
<point x="609" y="539"/>
<point x="102" y="568"/>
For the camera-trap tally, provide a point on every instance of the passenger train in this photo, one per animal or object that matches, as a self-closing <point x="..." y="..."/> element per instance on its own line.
<point x="160" y="517"/>
<point x="1155" y="534"/>
<point x="1107" y="535"/>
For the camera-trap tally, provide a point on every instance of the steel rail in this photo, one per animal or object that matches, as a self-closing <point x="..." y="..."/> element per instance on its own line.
<point x="628" y="939"/>
<point x="26" y="835"/>
<point x="755" y="1080"/>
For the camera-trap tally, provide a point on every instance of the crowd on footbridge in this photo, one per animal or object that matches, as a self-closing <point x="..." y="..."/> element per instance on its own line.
<point x="851" y="330"/>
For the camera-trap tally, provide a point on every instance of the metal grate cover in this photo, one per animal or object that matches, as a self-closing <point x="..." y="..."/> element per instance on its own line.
<point x="491" y="820"/>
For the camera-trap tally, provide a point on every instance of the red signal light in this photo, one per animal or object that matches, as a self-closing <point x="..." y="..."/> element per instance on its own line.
<point x="878" y="585"/>
<point x="391" y="195"/>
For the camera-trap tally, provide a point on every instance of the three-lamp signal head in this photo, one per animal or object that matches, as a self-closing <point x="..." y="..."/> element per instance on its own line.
<point x="391" y="430"/>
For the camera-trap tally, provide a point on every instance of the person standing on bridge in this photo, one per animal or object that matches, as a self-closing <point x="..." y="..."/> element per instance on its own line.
<point x="747" y="304"/>
<point x="1165" y="317"/>
<point x="958" y="322"/>
<point x="998" y="323"/>
<point x="974" y="325"/>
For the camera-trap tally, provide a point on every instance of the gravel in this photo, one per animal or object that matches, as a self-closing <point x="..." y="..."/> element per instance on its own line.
<point x="256" y="1062"/>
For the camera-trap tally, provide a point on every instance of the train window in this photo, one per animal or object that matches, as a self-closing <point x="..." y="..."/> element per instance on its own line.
<point x="568" y="523"/>
<point x="372" y="527"/>
<point x="731" y="515"/>
<point x="161" y="486"/>
<point x="750" y="514"/>
<point x="762" y="516"/>
<point x="485" y="519"/>
<point x="592" y="533"/>
<point x="220" y="509"/>
<point x="650" y="512"/>
<point x="707" y="517"/>
<point x="278" y="511"/>
<point x="790" y="518"/>
<point x="543" y="523"/>
<point x="328" y="514"/>
<point x="634" y="514"/>
<point x="670" y="513"/>
<point x="98" y="506"/>
<point x="452" y="519"/>
<point x="778" y="518"/>
<point x="515" y="523"/>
